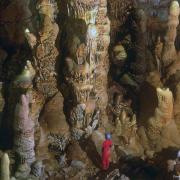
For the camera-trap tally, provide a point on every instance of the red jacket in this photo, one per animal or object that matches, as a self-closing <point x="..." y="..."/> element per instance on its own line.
<point x="106" y="147"/>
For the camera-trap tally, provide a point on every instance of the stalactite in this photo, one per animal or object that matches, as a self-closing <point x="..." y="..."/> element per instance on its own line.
<point x="157" y="52"/>
<point x="118" y="12"/>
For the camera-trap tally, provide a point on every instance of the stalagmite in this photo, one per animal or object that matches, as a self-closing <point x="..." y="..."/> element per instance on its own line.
<point x="24" y="131"/>
<point x="103" y="41"/>
<point x="161" y="126"/>
<point x="164" y="112"/>
<point x="87" y="57"/>
<point x="44" y="50"/>
<point x="5" y="162"/>
<point x="169" y="51"/>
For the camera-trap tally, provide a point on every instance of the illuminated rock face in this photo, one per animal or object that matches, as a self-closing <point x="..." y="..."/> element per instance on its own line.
<point x="161" y="127"/>
<point x="102" y="67"/>
<point x="177" y="106"/>
<point x="24" y="131"/>
<point x="86" y="58"/>
<point x="169" y="52"/>
<point x="44" y="50"/>
<point x="165" y="105"/>
<point x="5" y="172"/>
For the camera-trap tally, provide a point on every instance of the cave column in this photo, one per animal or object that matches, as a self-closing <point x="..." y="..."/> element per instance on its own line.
<point x="44" y="50"/>
<point x="103" y="41"/>
<point x="87" y="58"/>
<point x="169" y="51"/>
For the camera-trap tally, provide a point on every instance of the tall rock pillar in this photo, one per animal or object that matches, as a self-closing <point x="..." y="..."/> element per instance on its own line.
<point x="85" y="53"/>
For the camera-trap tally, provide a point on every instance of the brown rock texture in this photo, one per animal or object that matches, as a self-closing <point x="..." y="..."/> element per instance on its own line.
<point x="169" y="51"/>
<point x="86" y="57"/>
<point x="24" y="131"/>
<point x="51" y="122"/>
<point x="161" y="127"/>
<point x="44" y="51"/>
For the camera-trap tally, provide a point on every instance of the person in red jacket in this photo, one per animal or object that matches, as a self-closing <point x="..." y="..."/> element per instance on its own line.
<point x="106" y="151"/>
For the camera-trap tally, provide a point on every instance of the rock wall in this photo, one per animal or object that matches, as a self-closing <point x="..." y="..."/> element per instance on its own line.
<point x="43" y="47"/>
<point x="169" y="51"/>
<point x="85" y="45"/>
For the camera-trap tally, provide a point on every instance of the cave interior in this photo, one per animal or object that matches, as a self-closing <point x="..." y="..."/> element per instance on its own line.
<point x="72" y="71"/>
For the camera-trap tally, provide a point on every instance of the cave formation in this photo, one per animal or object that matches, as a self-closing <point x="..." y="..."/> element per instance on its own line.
<point x="73" y="70"/>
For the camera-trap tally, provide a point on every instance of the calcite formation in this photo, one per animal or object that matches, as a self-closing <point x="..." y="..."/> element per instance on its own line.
<point x="177" y="105"/>
<point x="169" y="51"/>
<point x="5" y="172"/>
<point x="44" y="50"/>
<point x="161" y="127"/>
<point x="157" y="52"/>
<point x="87" y="58"/>
<point x="24" y="80"/>
<point x="24" y="131"/>
<point x="103" y="41"/>
<point x="118" y="13"/>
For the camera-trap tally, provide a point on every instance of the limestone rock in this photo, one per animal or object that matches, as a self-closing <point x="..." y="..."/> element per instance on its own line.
<point x="24" y="80"/>
<point x="22" y="171"/>
<point x="53" y="116"/>
<point x="37" y="169"/>
<point x="78" y="164"/>
<point x="45" y="52"/>
<point x="161" y="127"/>
<point x="14" y="31"/>
<point x="169" y="51"/>
<point x="75" y="152"/>
<point x="115" y="174"/>
<point x="98" y="139"/>
<point x="177" y="106"/>
<point x="24" y="131"/>
<point x="5" y="172"/>
<point x="52" y="124"/>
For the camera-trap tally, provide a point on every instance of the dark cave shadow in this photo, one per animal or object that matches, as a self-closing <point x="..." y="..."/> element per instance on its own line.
<point x="6" y="129"/>
<point x="149" y="169"/>
<point x="134" y="168"/>
<point x="147" y="104"/>
<point x="166" y="154"/>
<point x="138" y="169"/>
<point x="92" y="154"/>
<point x="102" y="174"/>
